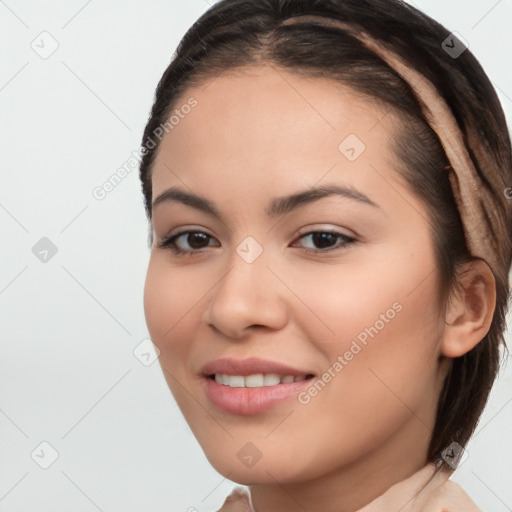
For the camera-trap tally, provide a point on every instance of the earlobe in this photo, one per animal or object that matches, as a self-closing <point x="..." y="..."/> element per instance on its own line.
<point x="470" y="309"/>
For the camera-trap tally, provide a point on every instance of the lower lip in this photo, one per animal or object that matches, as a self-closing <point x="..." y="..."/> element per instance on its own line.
<point x="246" y="401"/>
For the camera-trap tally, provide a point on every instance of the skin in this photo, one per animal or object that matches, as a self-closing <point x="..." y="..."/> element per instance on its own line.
<point x="261" y="133"/>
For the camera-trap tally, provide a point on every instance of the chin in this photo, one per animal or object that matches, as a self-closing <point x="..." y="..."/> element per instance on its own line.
<point x="275" y="465"/>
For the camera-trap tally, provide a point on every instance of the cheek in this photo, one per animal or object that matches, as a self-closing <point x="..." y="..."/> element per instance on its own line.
<point x="169" y="297"/>
<point x="382" y="349"/>
<point x="388" y="302"/>
<point x="382" y="364"/>
<point x="169" y="300"/>
<point x="156" y="303"/>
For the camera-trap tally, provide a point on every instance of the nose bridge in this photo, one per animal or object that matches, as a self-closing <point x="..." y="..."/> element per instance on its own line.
<point x="247" y="272"/>
<point x="245" y="296"/>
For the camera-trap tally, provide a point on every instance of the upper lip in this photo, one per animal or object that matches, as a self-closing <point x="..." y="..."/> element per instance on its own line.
<point x="249" y="366"/>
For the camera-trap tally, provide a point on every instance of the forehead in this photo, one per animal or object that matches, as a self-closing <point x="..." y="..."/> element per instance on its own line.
<point x="268" y="122"/>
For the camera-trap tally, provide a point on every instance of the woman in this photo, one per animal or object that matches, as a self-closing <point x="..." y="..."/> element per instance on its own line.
<point x="346" y="375"/>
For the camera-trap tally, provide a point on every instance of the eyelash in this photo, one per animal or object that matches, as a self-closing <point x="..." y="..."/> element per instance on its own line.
<point x="169" y="242"/>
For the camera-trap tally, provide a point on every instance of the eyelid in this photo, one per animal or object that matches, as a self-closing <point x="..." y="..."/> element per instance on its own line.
<point x="303" y="231"/>
<point x="327" y="228"/>
<point x="347" y="240"/>
<point x="187" y="228"/>
<point x="168" y="241"/>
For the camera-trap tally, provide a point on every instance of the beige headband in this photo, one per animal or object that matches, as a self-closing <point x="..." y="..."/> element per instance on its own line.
<point x="470" y="196"/>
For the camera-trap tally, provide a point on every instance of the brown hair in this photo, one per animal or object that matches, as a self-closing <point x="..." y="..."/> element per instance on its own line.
<point x="237" y="33"/>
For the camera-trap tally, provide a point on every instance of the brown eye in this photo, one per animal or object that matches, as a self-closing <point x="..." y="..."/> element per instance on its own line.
<point x="194" y="239"/>
<point x="324" y="241"/>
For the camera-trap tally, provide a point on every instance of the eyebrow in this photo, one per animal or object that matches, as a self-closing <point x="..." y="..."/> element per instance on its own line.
<point x="277" y="206"/>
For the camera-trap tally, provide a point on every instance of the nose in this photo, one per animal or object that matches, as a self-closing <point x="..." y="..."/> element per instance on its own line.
<point x="249" y="296"/>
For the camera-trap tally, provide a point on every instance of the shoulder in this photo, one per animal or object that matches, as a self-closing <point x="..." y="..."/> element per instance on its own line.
<point x="427" y="490"/>
<point x="450" y="497"/>
<point x="237" y="501"/>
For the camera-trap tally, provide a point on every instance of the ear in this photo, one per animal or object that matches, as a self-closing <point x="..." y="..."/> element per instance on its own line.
<point x="470" y="309"/>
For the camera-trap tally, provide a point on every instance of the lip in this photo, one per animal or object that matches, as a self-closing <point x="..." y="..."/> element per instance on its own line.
<point x="249" y="366"/>
<point x="250" y="401"/>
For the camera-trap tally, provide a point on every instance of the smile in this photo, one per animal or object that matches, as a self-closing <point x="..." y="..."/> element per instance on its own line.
<point x="256" y="380"/>
<point x="252" y="394"/>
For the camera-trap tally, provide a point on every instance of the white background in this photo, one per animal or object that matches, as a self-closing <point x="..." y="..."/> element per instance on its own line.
<point x="68" y="375"/>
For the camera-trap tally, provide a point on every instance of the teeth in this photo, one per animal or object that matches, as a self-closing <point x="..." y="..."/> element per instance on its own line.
<point x="256" y="380"/>
<point x="271" y="379"/>
<point x="236" y="381"/>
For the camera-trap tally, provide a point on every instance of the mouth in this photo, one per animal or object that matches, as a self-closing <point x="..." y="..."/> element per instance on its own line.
<point x="256" y="380"/>
<point x="252" y="386"/>
<point x="253" y="394"/>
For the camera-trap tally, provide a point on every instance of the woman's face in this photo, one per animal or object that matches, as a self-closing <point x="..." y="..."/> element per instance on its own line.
<point x="342" y="286"/>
